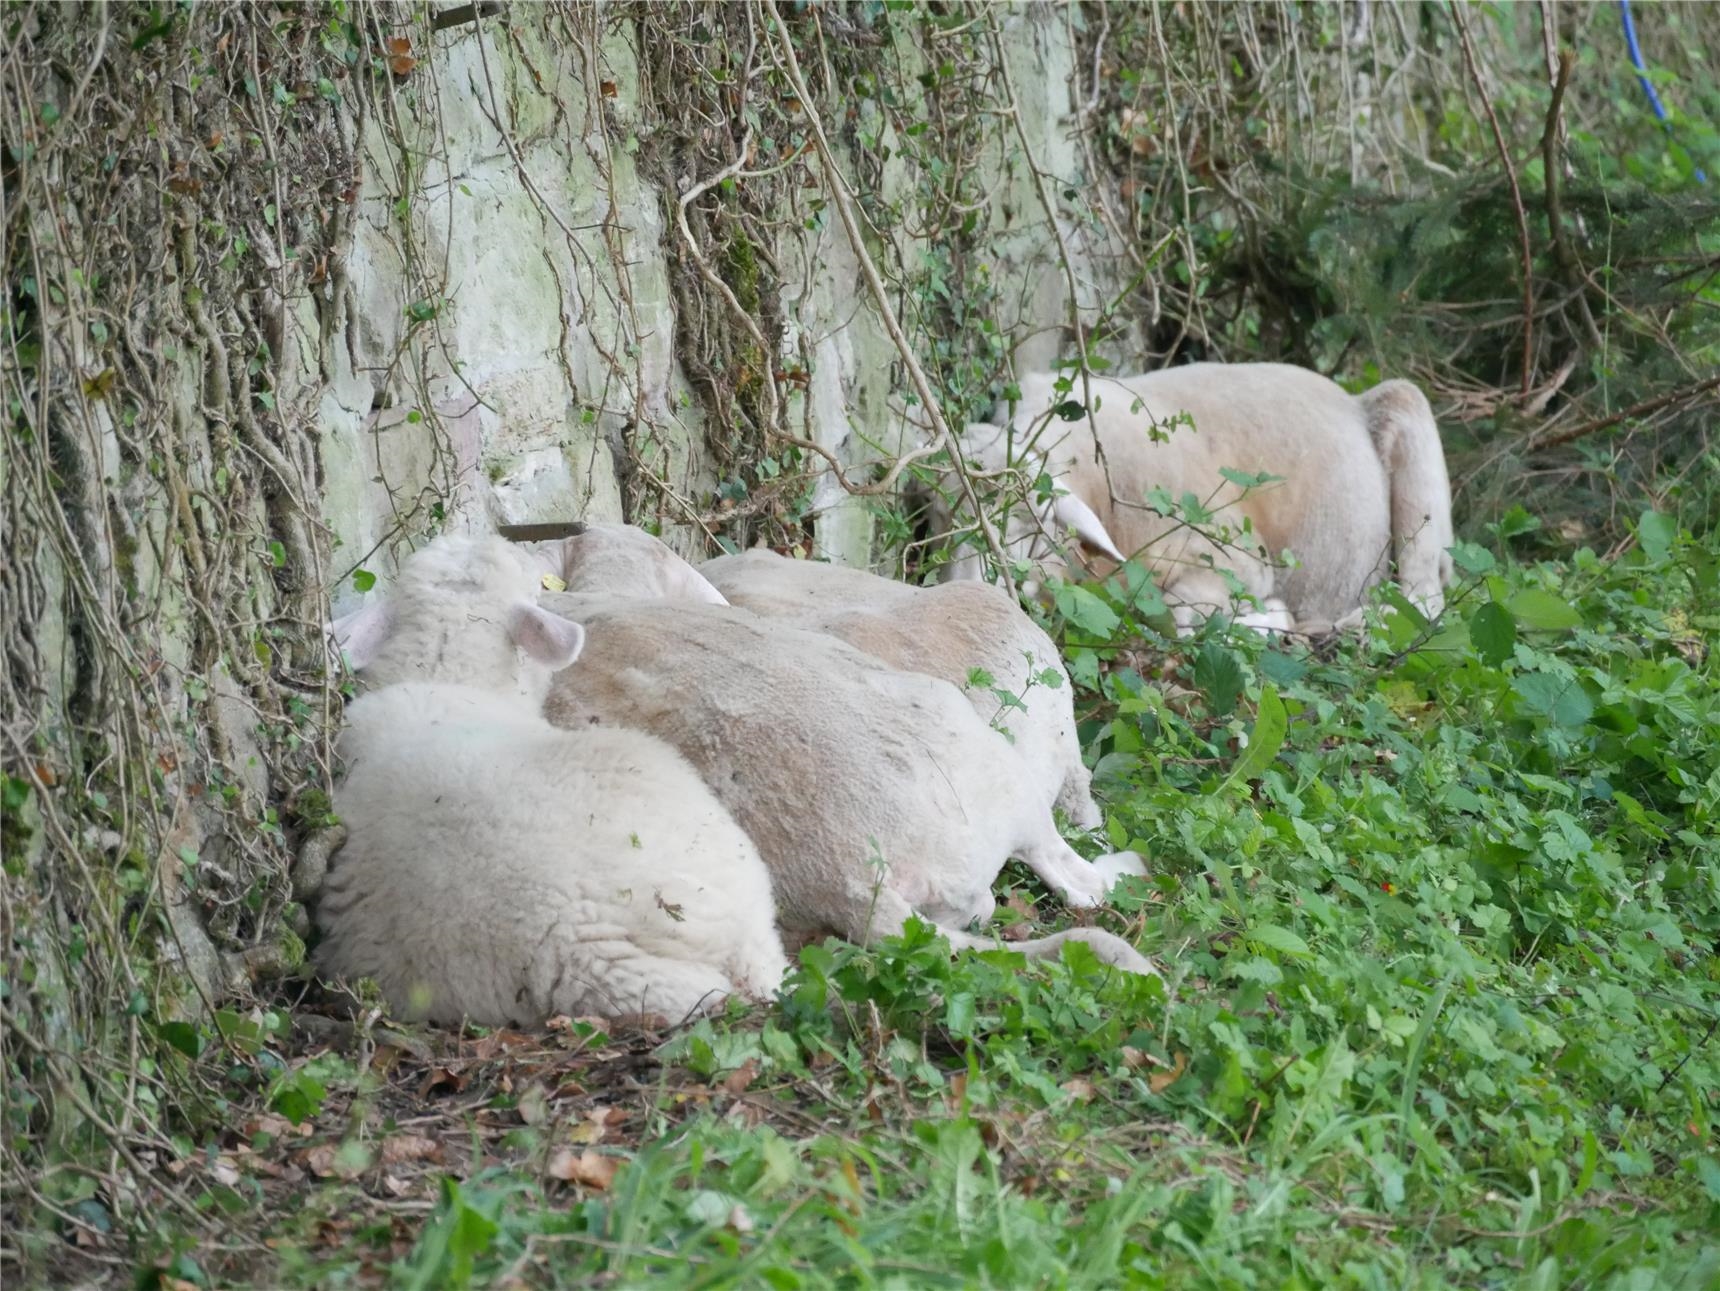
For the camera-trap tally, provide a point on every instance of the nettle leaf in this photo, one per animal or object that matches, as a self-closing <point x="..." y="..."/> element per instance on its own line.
<point x="1517" y="521"/>
<point x="1562" y="700"/>
<point x="1218" y="673"/>
<point x="1472" y="559"/>
<point x="1494" y="633"/>
<point x="1543" y="611"/>
<point x="1085" y="610"/>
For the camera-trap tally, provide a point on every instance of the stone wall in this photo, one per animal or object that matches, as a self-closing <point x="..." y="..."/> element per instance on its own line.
<point x="502" y="189"/>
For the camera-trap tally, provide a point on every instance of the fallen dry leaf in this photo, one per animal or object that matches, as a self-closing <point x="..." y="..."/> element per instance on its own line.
<point x="1079" y="1088"/>
<point x="741" y="1078"/>
<point x="533" y="1105"/>
<point x="327" y="1160"/>
<point x="589" y="1168"/>
<point x="409" y="1147"/>
<point x="1160" y="1081"/>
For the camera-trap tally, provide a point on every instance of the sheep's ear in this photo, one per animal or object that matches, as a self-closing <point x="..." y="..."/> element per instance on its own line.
<point x="360" y="635"/>
<point x="691" y="585"/>
<point x="552" y="640"/>
<point x="1073" y="513"/>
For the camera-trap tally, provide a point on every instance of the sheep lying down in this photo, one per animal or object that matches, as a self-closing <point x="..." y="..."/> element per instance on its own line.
<point x="500" y="869"/>
<point x="945" y="632"/>
<point x="872" y="794"/>
<point x="1362" y="486"/>
<point x="942" y="631"/>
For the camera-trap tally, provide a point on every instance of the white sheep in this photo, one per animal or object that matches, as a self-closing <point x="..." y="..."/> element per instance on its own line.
<point x="1363" y="483"/>
<point x="872" y="794"/>
<point x="944" y="631"/>
<point x="500" y="869"/>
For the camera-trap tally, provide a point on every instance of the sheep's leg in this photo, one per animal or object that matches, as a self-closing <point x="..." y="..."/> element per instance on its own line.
<point x="1120" y="865"/>
<point x="1272" y="616"/>
<point x="888" y="914"/>
<point x="1075" y="796"/>
<point x="1078" y="881"/>
<point x="1198" y="594"/>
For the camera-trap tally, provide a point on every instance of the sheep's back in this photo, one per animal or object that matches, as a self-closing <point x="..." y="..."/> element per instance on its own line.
<point x="824" y="755"/>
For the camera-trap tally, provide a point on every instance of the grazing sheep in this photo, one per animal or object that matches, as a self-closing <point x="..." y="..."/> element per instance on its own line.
<point x="872" y="794"/>
<point x="1363" y="484"/>
<point x="943" y="631"/>
<point x="500" y="869"/>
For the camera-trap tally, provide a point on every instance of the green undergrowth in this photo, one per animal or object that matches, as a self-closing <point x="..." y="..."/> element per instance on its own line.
<point x="1437" y="913"/>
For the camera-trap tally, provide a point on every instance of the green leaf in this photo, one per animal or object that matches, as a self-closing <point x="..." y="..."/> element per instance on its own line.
<point x="1493" y="632"/>
<point x="1656" y="534"/>
<point x="1270" y="726"/>
<point x="1219" y="675"/>
<point x="363" y="580"/>
<point x="959" y="1014"/>
<point x="183" y="1037"/>
<point x="1246" y="480"/>
<point x="1516" y="521"/>
<point x="1472" y="559"/>
<point x="1085" y="610"/>
<point x="1560" y="699"/>
<point x="1276" y="938"/>
<point x="1708" y="1170"/>
<point x="278" y="554"/>
<point x="1543" y="611"/>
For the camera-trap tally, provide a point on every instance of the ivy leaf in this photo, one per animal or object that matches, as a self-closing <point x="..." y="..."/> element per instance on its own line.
<point x="1494" y="633"/>
<point x="363" y="580"/>
<point x="183" y="1037"/>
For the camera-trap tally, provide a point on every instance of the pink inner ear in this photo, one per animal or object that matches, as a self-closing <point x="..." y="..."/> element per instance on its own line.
<point x="548" y="638"/>
<point x="360" y="635"/>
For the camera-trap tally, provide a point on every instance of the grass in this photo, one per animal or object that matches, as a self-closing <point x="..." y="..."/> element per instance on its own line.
<point x="1438" y="916"/>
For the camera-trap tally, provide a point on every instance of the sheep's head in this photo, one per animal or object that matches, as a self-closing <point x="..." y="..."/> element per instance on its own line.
<point x="464" y="610"/>
<point x="1035" y="526"/>
<point x="623" y="560"/>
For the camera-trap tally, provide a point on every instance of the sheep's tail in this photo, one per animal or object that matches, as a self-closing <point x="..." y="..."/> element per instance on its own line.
<point x="1406" y="440"/>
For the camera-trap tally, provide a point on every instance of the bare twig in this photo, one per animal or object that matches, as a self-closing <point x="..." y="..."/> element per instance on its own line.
<point x="1684" y="394"/>
<point x="840" y="198"/>
<point x="1516" y="196"/>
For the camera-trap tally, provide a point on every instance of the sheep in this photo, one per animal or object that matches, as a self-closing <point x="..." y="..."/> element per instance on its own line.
<point x="872" y="794"/>
<point x="943" y="631"/>
<point x="500" y="869"/>
<point x="1363" y="483"/>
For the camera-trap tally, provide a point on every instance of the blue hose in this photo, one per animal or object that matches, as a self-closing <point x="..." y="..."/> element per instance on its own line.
<point x="1642" y="77"/>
